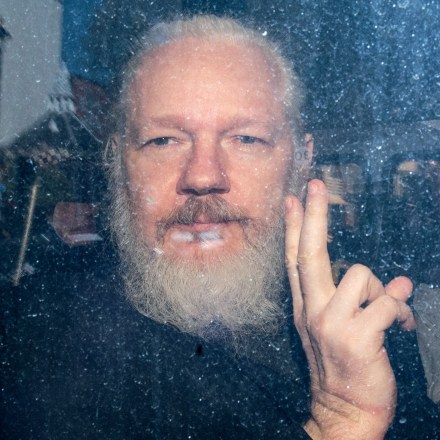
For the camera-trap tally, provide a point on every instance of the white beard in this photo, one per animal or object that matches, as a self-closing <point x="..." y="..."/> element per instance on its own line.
<point x="229" y="300"/>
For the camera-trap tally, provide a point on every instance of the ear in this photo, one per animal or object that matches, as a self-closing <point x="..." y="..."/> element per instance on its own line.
<point x="113" y="143"/>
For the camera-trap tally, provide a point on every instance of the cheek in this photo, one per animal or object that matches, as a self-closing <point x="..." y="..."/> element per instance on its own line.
<point x="261" y="197"/>
<point x="262" y="185"/>
<point x="146" y="196"/>
<point x="148" y="210"/>
<point x="272" y="198"/>
<point x="147" y="186"/>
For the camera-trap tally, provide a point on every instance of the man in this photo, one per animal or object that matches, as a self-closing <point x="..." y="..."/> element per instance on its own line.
<point x="204" y="170"/>
<point x="205" y="178"/>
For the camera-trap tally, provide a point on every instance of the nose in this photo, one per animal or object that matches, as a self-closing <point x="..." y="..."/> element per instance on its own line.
<point x="204" y="171"/>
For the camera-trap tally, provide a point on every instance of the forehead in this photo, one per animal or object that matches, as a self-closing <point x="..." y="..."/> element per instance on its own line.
<point x="193" y="75"/>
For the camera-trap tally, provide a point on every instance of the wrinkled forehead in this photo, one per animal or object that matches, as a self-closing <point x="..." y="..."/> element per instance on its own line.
<point x="199" y="67"/>
<point x="213" y="50"/>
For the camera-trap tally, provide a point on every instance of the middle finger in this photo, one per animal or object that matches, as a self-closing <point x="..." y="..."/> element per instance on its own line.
<point x="313" y="259"/>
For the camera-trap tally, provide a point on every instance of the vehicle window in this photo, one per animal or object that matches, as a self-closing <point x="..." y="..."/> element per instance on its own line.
<point x="347" y="186"/>
<point x="412" y="218"/>
<point x="370" y="100"/>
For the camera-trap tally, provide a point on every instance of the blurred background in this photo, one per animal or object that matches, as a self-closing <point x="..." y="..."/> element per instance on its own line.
<point x="371" y="75"/>
<point x="361" y="62"/>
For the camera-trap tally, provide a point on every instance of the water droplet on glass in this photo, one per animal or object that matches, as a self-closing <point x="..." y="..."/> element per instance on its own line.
<point x="402" y="3"/>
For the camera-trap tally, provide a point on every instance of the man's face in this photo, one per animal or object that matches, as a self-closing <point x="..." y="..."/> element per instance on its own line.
<point x="206" y="124"/>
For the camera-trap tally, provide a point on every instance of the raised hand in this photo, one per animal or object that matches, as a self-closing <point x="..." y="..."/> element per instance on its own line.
<point x="342" y="328"/>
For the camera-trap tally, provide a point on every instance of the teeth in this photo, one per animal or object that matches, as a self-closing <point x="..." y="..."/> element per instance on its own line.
<point x="182" y="236"/>
<point x="209" y="235"/>
<point x="204" y="237"/>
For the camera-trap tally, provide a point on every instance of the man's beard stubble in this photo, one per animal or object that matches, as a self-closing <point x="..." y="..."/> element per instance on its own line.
<point x="238" y="296"/>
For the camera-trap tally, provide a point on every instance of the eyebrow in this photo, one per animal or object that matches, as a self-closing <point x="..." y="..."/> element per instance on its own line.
<point x="172" y="121"/>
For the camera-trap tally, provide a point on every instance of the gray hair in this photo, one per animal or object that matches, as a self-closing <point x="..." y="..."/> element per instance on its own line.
<point x="215" y="29"/>
<point x="212" y="28"/>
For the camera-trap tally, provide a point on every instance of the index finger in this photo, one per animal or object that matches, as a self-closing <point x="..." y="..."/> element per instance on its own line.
<point x="313" y="259"/>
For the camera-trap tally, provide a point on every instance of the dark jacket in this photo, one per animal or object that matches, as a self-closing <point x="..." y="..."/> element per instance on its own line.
<point x="78" y="362"/>
<point x="82" y="363"/>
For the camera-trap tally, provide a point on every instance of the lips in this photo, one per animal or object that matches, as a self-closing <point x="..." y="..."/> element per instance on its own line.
<point x="198" y="233"/>
<point x="202" y="224"/>
<point x="205" y="218"/>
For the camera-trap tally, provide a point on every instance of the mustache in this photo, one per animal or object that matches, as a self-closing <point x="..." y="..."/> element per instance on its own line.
<point x="212" y="208"/>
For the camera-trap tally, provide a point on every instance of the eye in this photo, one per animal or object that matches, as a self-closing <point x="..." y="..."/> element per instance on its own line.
<point x="250" y="140"/>
<point x="159" y="141"/>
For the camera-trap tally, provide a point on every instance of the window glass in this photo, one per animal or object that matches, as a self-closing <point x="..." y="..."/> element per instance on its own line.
<point x="371" y="103"/>
<point x="346" y="184"/>
<point x="413" y="219"/>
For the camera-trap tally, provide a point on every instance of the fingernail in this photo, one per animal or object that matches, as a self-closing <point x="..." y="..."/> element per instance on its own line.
<point x="312" y="188"/>
<point x="288" y="205"/>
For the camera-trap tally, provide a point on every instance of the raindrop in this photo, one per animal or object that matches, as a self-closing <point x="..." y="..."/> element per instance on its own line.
<point x="403" y="3"/>
<point x="379" y="9"/>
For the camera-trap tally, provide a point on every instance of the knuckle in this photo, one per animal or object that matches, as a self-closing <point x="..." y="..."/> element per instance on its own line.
<point x="359" y="270"/>
<point x="298" y="319"/>
<point x="388" y="302"/>
<point x="307" y="257"/>
<point x="321" y="327"/>
<point x="363" y="275"/>
<point x="290" y="262"/>
<point x="303" y="261"/>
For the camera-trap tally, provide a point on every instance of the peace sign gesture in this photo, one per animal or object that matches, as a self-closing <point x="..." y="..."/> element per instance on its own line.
<point x="342" y="328"/>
